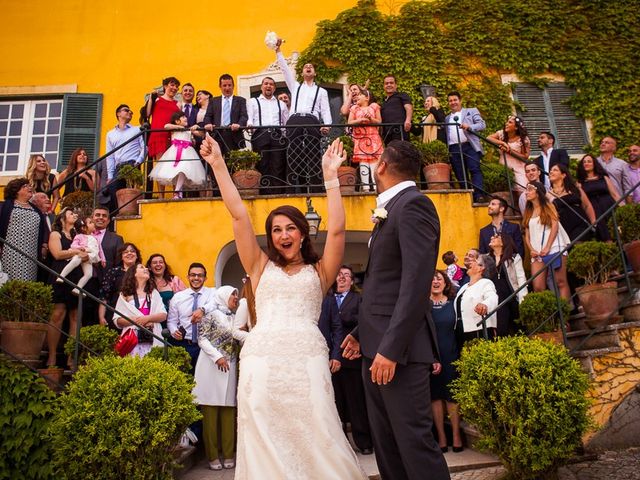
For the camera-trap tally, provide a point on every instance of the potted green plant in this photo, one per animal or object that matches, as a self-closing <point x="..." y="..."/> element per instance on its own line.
<point x="94" y="340"/>
<point x="347" y="173"/>
<point x="25" y="308"/>
<point x="538" y="307"/>
<point x="242" y="164"/>
<point x="435" y="161"/>
<point x="80" y="202"/>
<point x="497" y="179"/>
<point x="628" y="219"/>
<point x="127" y="204"/>
<point x="595" y="262"/>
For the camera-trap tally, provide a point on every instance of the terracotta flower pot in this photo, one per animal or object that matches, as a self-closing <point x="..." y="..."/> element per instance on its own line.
<point x="128" y="201"/>
<point x="348" y="177"/>
<point x="437" y="176"/>
<point x="633" y="254"/>
<point x="247" y="181"/>
<point x="599" y="302"/>
<point x="24" y="340"/>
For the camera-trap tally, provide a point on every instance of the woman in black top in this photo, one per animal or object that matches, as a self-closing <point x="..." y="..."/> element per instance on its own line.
<point x="85" y="182"/>
<point x="601" y="192"/>
<point x="575" y="212"/>
<point x="41" y="179"/>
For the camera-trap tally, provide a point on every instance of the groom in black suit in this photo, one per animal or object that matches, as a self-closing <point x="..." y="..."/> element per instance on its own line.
<point x="395" y="334"/>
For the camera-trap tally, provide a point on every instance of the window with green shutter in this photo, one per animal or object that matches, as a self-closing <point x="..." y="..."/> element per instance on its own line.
<point x="547" y="109"/>
<point x="80" y="126"/>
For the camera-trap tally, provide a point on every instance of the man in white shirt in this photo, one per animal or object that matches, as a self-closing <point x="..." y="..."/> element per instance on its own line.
<point x="549" y="156"/>
<point x="616" y="168"/>
<point x="309" y="106"/>
<point x="186" y="310"/>
<point x="266" y="110"/>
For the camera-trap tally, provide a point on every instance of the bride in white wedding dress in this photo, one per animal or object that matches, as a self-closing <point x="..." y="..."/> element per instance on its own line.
<point x="288" y="425"/>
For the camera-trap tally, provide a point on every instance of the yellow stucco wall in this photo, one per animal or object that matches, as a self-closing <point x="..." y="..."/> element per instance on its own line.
<point x="187" y="231"/>
<point x="123" y="48"/>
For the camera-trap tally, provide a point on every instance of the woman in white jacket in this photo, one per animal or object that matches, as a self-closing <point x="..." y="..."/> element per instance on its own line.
<point x="477" y="298"/>
<point x="216" y="378"/>
<point x="509" y="277"/>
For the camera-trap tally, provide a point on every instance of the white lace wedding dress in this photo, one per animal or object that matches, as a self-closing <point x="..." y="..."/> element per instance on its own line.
<point x="288" y="425"/>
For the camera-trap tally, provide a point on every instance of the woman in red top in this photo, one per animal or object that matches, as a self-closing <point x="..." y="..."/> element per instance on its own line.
<point x="160" y="111"/>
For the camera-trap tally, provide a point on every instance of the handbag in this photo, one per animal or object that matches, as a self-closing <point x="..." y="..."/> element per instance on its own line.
<point x="546" y="259"/>
<point x="127" y="342"/>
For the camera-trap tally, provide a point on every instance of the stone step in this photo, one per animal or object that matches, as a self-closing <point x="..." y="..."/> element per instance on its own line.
<point x="587" y="339"/>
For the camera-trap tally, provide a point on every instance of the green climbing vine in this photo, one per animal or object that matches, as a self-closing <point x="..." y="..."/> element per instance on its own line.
<point x="465" y="45"/>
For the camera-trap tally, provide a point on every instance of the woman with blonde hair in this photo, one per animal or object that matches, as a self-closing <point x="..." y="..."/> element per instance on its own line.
<point x="41" y="179"/>
<point x="435" y="115"/>
<point x="544" y="236"/>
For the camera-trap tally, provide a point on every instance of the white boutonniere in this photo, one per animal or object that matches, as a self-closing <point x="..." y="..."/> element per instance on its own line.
<point x="378" y="215"/>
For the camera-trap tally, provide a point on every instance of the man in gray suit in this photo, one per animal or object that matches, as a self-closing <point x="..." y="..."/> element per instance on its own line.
<point x="464" y="147"/>
<point x="396" y="335"/>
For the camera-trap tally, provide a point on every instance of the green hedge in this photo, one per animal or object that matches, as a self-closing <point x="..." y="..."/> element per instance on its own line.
<point x="528" y="400"/>
<point x="27" y="406"/>
<point x="121" y="418"/>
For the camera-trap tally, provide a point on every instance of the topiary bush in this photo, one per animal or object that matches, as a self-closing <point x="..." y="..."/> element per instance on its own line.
<point x="628" y="219"/>
<point x="432" y="152"/>
<point x="27" y="406"/>
<point x="177" y="356"/>
<point x="537" y="307"/>
<point x="594" y="261"/>
<point x="93" y="338"/>
<point x="121" y="418"/>
<point x="494" y="177"/>
<point x="527" y="397"/>
<point x="24" y="301"/>
<point x="80" y="202"/>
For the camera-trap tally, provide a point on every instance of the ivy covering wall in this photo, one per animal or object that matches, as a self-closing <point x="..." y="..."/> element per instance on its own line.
<point x="466" y="44"/>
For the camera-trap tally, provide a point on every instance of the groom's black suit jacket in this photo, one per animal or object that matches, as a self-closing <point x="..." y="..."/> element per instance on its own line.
<point x="395" y="314"/>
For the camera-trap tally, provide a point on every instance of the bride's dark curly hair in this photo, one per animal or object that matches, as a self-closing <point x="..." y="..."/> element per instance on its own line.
<point x="309" y="255"/>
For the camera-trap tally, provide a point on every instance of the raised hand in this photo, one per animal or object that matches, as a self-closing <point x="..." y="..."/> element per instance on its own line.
<point x="333" y="158"/>
<point x="210" y="151"/>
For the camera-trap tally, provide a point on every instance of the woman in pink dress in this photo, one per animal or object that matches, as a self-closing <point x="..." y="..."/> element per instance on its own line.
<point x="367" y="143"/>
<point x="514" y="142"/>
<point x="160" y="112"/>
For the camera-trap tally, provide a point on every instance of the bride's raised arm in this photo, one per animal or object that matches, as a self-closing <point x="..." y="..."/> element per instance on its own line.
<point x="251" y="255"/>
<point x="334" y="246"/>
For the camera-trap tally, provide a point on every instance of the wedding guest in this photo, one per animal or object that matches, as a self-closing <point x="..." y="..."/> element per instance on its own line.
<point x="63" y="300"/>
<point x="544" y="237"/>
<point x="367" y="144"/>
<point x="216" y="377"/>
<point x="477" y="298"/>
<point x="615" y="167"/>
<point x="227" y="110"/>
<point x="128" y="257"/>
<point x="163" y="278"/>
<point x="160" y="108"/>
<point x="434" y="114"/>
<point x="186" y="310"/>
<point x="284" y="98"/>
<point x="69" y="177"/>
<point x="41" y="179"/>
<point x="187" y="106"/>
<point x="575" y="211"/>
<point x="142" y="304"/>
<point x="516" y="147"/>
<point x="633" y="172"/>
<point x="450" y="334"/>
<point x="350" y="99"/>
<point x="25" y="228"/>
<point x="600" y="191"/>
<point x="396" y="109"/>
<point x="509" y="277"/>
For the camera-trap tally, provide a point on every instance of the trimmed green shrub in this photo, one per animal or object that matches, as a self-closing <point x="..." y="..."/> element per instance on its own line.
<point x="80" y="202"/>
<point x="432" y="152"/>
<point x="494" y="177"/>
<point x="242" y="160"/>
<point x="537" y="307"/>
<point x="27" y="406"/>
<point x="121" y="418"/>
<point x="628" y="217"/>
<point x="177" y="356"/>
<point x="96" y="338"/>
<point x="133" y="176"/>
<point x="23" y="301"/>
<point x="527" y="397"/>
<point x="594" y="261"/>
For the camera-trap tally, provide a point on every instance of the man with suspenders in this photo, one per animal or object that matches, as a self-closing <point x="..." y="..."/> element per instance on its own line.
<point x="270" y="143"/>
<point x="309" y="106"/>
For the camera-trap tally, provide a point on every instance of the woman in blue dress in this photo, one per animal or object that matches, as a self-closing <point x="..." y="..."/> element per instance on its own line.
<point x="450" y="334"/>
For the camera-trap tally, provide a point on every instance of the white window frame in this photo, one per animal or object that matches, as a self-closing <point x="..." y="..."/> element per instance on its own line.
<point x="26" y="134"/>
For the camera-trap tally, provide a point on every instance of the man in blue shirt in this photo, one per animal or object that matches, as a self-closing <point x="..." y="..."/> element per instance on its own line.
<point x="130" y="154"/>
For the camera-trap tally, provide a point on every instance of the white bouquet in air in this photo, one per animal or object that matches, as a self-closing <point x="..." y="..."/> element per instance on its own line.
<point x="271" y="40"/>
